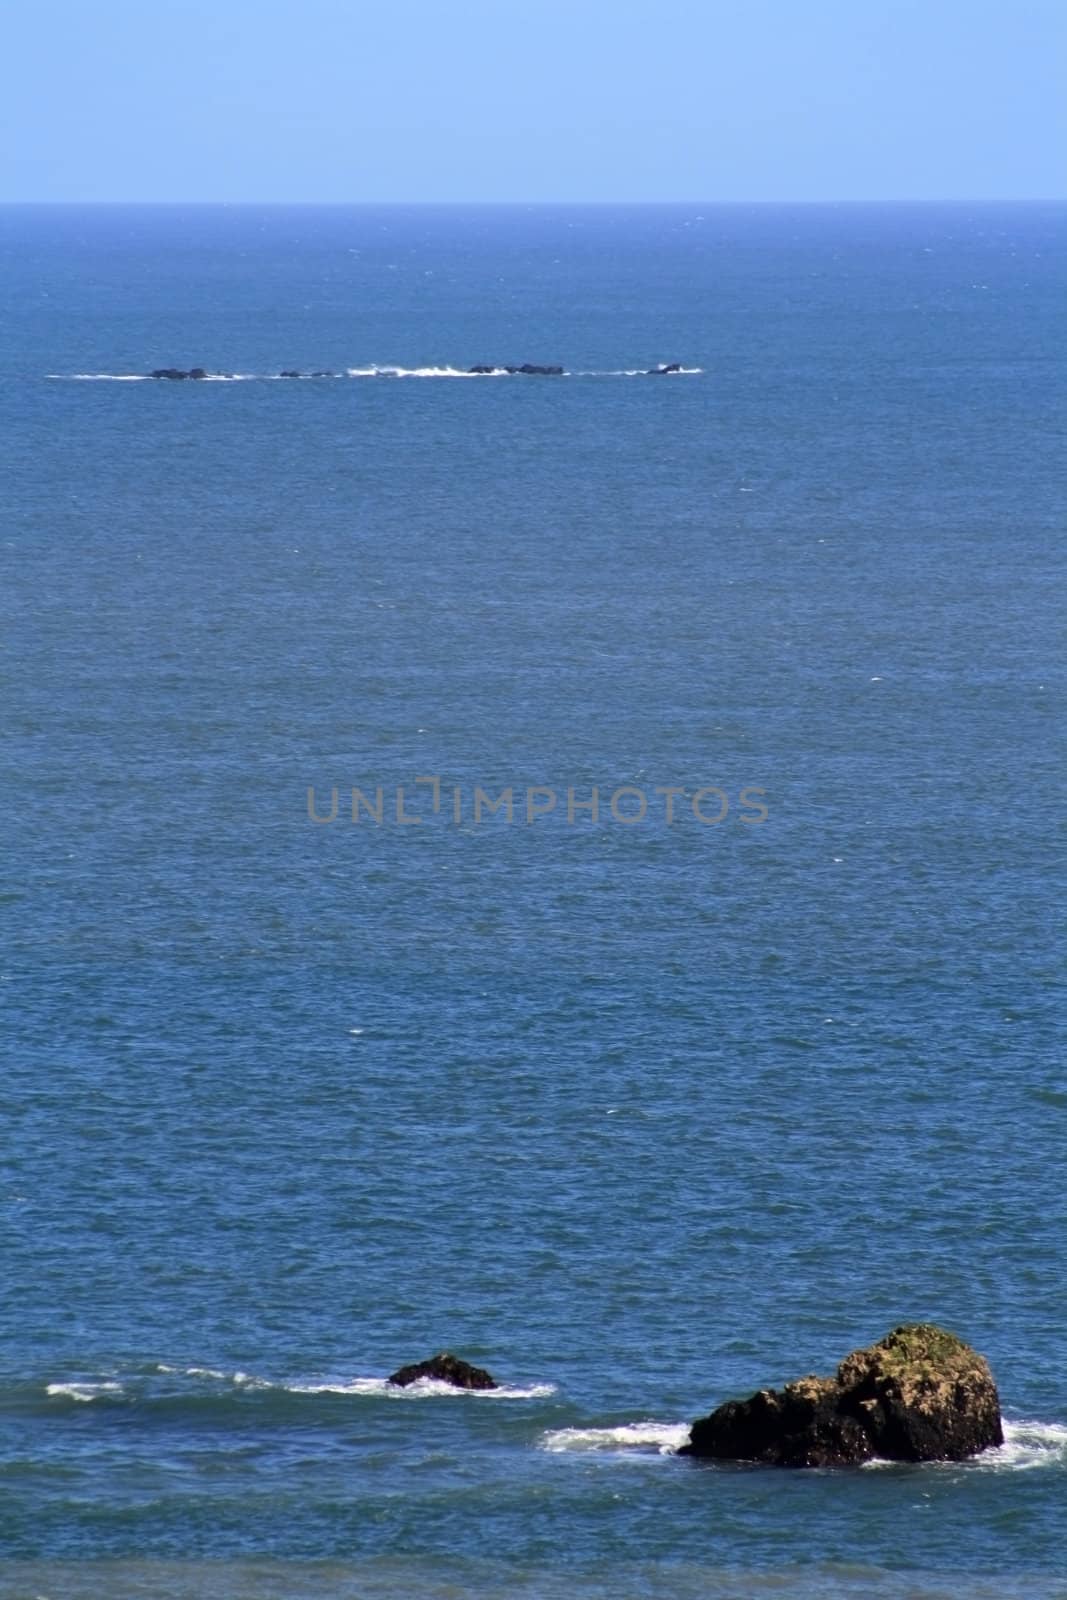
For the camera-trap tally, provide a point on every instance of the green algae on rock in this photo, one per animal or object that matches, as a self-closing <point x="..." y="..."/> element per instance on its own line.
<point x="919" y="1394"/>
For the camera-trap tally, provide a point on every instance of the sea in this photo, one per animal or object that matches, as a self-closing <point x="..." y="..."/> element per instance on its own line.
<point x="561" y="868"/>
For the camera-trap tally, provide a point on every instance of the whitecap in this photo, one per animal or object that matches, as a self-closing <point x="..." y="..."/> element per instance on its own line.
<point x="373" y="371"/>
<point x="1027" y="1445"/>
<point x="81" y="1391"/>
<point x="240" y="1380"/>
<point x="421" y="372"/>
<point x="422" y="1389"/>
<point x="662" y="1438"/>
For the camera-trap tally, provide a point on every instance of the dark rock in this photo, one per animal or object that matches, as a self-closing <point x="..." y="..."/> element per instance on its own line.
<point x="920" y="1394"/>
<point x="661" y="372"/>
<point x="798" y="1426"/>
<point x="169" y="372"/>
<point x="289" y="374"/>
<point x="446" y="1368"/>
<point x="483" y="371"/>
<point x="196" y="372"/>
<point x="538" y="372"/>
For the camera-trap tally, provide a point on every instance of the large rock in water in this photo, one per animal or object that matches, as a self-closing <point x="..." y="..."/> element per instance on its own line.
<point x="445" y="1368"/>
<point x="920" y="1394"/>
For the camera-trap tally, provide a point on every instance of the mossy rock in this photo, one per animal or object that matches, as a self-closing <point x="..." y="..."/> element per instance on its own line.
<point x="919" y="1394"/>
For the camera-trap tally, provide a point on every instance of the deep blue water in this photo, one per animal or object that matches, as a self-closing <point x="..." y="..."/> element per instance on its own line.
<point x="641" y="1116"/>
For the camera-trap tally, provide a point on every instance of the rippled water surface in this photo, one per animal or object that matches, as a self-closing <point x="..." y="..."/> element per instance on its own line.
<point x="641" y="1115"/>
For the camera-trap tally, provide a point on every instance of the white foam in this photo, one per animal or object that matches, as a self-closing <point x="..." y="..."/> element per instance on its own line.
<point x="421" y="1389"/>
<point x="365" y="372"/>
<point x="1027" y="1445"/>
<point x="421" y="372"/>
<point x="241" y="1380"/>
<point x="81" y="1391"/>
<point x="664" y="1438"/>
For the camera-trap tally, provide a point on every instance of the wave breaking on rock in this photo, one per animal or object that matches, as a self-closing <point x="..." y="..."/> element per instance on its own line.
<point x="528" y="369"/>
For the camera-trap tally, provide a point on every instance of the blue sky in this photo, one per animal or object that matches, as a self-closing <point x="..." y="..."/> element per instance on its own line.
<point x="471" y="100"/>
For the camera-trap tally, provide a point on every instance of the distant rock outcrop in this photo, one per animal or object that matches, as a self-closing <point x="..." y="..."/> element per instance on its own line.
<point x="920" y="1394"/>
<point x="662" y="372"/>
<point x="445" y="1368"/>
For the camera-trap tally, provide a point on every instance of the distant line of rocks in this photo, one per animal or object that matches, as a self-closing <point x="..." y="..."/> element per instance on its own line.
<point x="177" y="373"/>
<point x="528" y="369"/>
<point x="919" y="1394"/>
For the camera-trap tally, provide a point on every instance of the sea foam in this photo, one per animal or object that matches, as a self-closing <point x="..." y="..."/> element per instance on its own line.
<point x="659" y="1438"/>
<point x="373" y="371"/>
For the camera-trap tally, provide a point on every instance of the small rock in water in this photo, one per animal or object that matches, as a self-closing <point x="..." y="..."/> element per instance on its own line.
<point x="920" y="1394"/>
<point x="661" y="372"/>
<point x="445" y="1368"/>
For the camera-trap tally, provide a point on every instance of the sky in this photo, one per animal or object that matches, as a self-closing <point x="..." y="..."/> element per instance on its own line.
<point x="532" y="100"/>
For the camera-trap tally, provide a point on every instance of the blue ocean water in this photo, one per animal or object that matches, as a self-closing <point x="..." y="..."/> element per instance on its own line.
<point x="641" y="1115"/>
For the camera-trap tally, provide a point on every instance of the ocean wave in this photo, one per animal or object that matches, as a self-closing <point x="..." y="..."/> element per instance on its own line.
<point x="163" y="1384"/>
<point x="101" y="377"/>
<point x="240" y="1380"/>
<point x="83" y="1393"/>
<point x="659" y="1438"/>
<point x="422" y="372"/>
<point x="422" y="1389"/>
<point x="146" y="377"/>
<point x="1027" y="1445"/>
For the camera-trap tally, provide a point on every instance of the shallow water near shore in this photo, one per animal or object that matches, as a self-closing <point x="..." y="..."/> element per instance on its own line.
<point x="640" y="1115"/>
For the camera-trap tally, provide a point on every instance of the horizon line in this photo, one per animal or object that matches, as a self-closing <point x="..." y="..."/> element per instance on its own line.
<point x="900" y="200"/>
